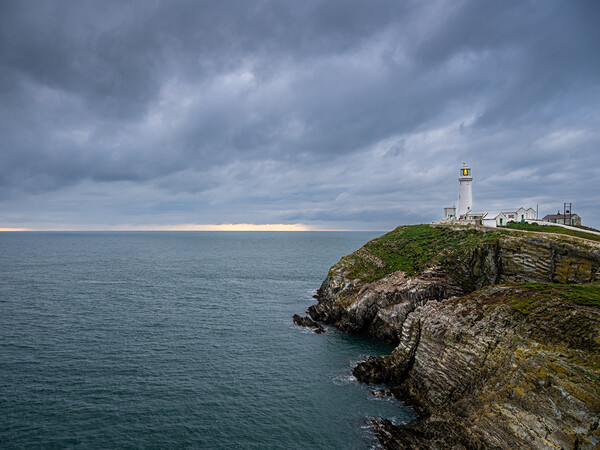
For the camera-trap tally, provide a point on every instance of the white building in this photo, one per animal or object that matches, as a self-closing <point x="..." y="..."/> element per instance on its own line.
<point x="464" y="212"/>
<point x="523" y="214"/>
<point x="495" y="219"/>
<point x="450" y="213"/>
<point x="475" y="215"/>
<point x="570" y="218"/>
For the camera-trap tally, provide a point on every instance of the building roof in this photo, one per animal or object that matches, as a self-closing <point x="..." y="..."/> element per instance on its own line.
<point x="494" y="214"/>
<point x="558" y="216"/>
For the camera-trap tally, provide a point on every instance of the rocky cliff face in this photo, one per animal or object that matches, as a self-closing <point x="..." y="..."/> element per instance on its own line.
<point x="506" y="367"/>
<point x="493" y="362"/>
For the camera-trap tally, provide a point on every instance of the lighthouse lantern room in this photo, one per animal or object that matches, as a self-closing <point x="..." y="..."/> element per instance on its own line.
<point x="465" y="194"/>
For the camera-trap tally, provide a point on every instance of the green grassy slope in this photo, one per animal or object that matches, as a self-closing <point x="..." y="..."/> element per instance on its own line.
<point x="552" y="229"/>
<point x="411" y="249"/>
<point x="579" y="294"/>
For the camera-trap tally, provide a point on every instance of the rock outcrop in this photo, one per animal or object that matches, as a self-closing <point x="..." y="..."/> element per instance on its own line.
<point x="497" y="334"/>
<point x="309" y="323"/>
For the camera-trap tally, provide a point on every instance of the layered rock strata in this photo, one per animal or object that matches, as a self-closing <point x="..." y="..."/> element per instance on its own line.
<point x="492" y="362"/>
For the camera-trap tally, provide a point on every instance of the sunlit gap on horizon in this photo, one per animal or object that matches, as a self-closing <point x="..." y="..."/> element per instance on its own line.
<point x="225" y="227"/>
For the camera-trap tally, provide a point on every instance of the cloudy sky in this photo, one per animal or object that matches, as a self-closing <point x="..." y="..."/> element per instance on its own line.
<point x="316" y="114"/>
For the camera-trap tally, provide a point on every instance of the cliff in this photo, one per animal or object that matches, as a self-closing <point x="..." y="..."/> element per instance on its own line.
<point x="497" y="334"/>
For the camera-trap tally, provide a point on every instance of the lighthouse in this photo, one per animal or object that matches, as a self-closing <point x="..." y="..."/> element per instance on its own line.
<point x="464" y="214"/>
<point x="465" y="194"/>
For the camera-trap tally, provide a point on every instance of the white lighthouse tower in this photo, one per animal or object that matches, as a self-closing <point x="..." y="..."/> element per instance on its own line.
<point x="465" y="194"/>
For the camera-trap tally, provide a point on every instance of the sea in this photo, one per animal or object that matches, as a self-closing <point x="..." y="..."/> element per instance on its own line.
<point x="178" y="340"/>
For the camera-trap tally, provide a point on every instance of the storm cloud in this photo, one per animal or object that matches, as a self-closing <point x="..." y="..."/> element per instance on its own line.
<point x="334" y="114"/>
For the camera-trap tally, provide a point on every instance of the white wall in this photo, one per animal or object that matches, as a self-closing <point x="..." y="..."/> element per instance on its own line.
<point x="465" y="197"/>
<point x="489" y="222"/>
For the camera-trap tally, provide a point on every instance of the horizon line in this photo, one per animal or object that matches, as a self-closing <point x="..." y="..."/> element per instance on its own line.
<point x="186" y="227"/>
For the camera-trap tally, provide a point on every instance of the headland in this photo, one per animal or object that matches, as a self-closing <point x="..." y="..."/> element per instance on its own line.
<point x="497" y="334"/>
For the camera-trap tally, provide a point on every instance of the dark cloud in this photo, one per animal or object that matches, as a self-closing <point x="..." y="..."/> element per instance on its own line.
<point x="341" y="114"/>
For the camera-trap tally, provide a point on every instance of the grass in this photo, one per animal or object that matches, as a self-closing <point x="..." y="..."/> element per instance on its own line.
<point x="579" y="294"/>
<point x="552" y="229"/>
<point x="412" y="249"/>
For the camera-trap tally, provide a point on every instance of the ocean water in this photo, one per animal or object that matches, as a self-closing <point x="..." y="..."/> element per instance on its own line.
<point x="177" y="340"/>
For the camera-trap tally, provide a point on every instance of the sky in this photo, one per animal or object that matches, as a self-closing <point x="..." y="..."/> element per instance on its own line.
<point x="294" y="115"/>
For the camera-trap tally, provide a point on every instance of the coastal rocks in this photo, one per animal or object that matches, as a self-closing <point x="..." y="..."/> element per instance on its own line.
<point x="545" y="260"/>
<point x="488" y="365"/>
<point x="506" y="367"/>
<point x="381" y="394"/>
<point x="380" y="307"/>
<point x="522" y="259"/>
<point x="392" y="369"/>
<point x="419" y="435"/>
<point x="308" y="322"/>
